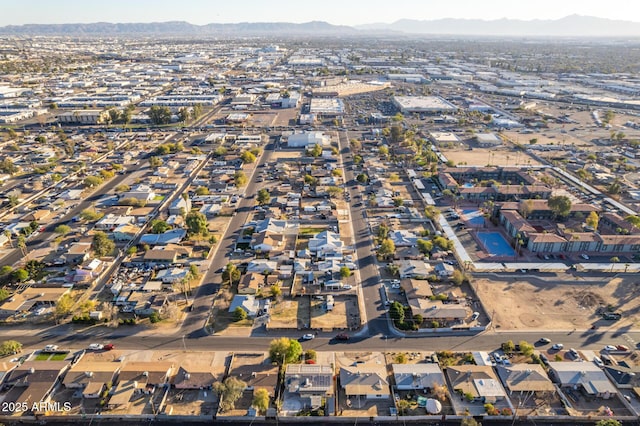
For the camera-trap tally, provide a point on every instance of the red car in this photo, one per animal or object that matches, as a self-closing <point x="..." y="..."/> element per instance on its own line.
<point x="622" y="348"/>
<point x="108" y="347"/>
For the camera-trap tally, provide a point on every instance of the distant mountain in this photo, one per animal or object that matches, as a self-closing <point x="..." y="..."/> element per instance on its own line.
<point x="179" y="28"/>
<point x="573" y="25"/>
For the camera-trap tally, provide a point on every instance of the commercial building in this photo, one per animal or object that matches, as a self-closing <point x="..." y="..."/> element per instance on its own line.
<point x="424" y="104"/>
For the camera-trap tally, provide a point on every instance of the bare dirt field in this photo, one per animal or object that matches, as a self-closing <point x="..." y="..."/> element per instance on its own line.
<point x="483" y="156"/>
<point x="559" y="303"/>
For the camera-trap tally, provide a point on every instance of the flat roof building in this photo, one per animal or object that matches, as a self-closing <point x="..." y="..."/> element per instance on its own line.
<point x="427" y="104"/>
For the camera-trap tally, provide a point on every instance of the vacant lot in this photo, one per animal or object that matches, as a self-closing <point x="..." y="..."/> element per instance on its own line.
<point x="494" y="156"/>
<point x="323" y="319"/>
<point x="561" y="302"/>
<point x="292" y="314"/>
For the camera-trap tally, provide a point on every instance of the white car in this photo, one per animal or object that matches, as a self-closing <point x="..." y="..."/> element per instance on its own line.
<point x="96" y="347"/>
<point x="347" y="287"/>
<point x="395" y="282"/>
<point x="610" y="348"/>
<point x="308" y="336"/>
<point x="557" y="347"/>
<point x="597" y="361"/>
<point x="395" y="285"/>
<point x="51" y="348"/>
<point x="584" y="256"/>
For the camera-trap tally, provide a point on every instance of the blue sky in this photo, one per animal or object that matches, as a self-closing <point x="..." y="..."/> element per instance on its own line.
<point x="340" y="12"/>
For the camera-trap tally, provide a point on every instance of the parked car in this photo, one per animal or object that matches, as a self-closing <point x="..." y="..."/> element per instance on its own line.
<point x="308" y="336"/>
<point x="342" y="336"/>
<point x="574" y="353"/>
<point x="609" y="348"/>
<point x="50" y="348"/>
<point x="584" y="256"/>
<point x="557" y="347"/>
<point x="622" y="348"/>
<point x="347" y="287"/>
<point x="544" y="340"/>
<point x="109" y="347"/>
<point x="96" y="347"/>
<point x="475" y="316"/>
<point x="597" y="361"/>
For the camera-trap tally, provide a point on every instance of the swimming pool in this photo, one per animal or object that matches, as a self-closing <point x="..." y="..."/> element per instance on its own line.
<point x="495" y="244"/>
<point x="473" y="217"/>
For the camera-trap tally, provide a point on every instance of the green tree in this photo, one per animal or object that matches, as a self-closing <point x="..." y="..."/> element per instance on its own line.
<point x="344" y="272"/>
<point x="383" y="151"/>
<point x="91" y="181"/>
<point x="10" y="347"/>
<point x="396" y="311"/>
<point x="526" y="348"/>
<point x="101" y="244"/>
<point x="240" y="178"/>
<point x="362" y="178"/>
<point x="593" y="220"/>
<point x="197" y="111"/>
<point x="160" y="115"/>
<point x="315" y="151"/>
<point x="248" y="157"/>
<point x="396" y="134"/>
<point x="131" y="251"/>
<point x="275" y="290"/>
<point x="398" y="202"/>
<point x="263" y="197"/>
<point x="508" y="347"/>
<point x="34" y="268"/>
<point x="424" y="246"/>
<point x="19" y="275"/>
<point x="159" y="226"/>
<point x="155" y="162"/>
<point x="231" y="273"/>
<point x="387" y="248"/>
<point x="4" y="294"/>
<point x="334" y="191"/>
<point x="122" y="188"/>
<point x="7" y="166"/>
<point x="64" y="305"/>
<point x="608" y="422"/>
<point x="560" y="205"/>
<point x="197" y="223"/>
<point x="261" y="400"/>
<point x="230" y="391"/>
<point x="62" y="229"/>
<point x="184" y="114"/>
<point x="457" y="277"/>
<point x="239" y="314"/>
<point x="90" y="215"/>
<point x="202" y="190"/>
<point x="284" y="350"/>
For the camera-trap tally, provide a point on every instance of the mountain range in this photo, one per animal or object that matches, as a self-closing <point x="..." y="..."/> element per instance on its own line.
<point x="569" y="26"/>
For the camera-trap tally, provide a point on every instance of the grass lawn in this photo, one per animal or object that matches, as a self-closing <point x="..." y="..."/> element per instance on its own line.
<point x="311" y="231"/>
<point x="42" y="357"/>
<point x="58" y="357"/>
<point x="158" y="198"/>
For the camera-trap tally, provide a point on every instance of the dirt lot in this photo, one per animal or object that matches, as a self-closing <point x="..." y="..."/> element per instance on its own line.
<point x="554" y="303"/>
<point x="483" y="156"/>
<point x="291" y="314"/>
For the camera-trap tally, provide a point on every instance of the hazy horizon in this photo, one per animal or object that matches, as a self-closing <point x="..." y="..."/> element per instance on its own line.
<point x="200" y="12"/>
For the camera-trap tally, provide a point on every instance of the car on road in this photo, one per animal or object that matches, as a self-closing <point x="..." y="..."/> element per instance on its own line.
<point x="557" y="347"/>
<point x="50" y="348"/>
<point x="544" y="340"/>
<point x="308" y="336"/>
<point x="475" y="316"/>
<point x="584" y="256"/>
<point x="109" y="347"/>
<point x="347" y="287"/>
<point x="342" y="336"/>
<point x="622" y="348"/>
<point x="96" y="347"/>
<point x="609" y="348"/>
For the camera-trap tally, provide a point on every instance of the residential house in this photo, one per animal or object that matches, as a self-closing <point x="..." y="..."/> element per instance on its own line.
<point x="525" y="378"/>
<point x="416" y="289"/>
<point x="140" y="192"/>
<point x="173" y="236"/>
<point x="125" y="232"/>
<point x="247" y="302"/>
<point x="171" y="275"/>
<point x="91" y="377"/>
<point x="77" y="253"/>
<point x="195" y="376"/>
<point x="262" y="265"/>
<point x="266" y="241"/>
<point x="250" y="283"/>
<point x="256" y="370"/>
<point x="403" y="238"/>
<point x="444" y="270"/>
<point x="436" y="310"/>
<point x="32" y="297"/>
<point x="325" y="243"/>
<point x="161" y="256"/>
<point x="307" y="385"/>
<point x="180" y="206"/>
<point x="624" y="377"/>
<point x="479" y="381"/>
<point x="587" y="377"/>
<point x="365" y="380"/>
<point x="409" y="268"/>
<point x="111" y="222"/>
<point x="138" y="377"/>
<point x="31" y="383"/>
<point x="417" y="376"/>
